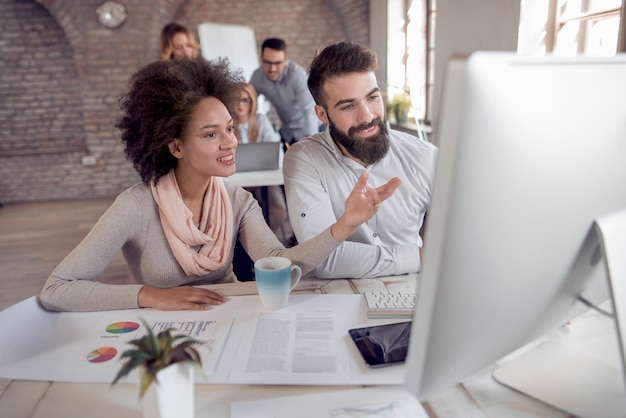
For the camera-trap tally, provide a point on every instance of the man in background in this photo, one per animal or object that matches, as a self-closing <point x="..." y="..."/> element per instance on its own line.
<point x="319" y="170"/>
<point x="284" y="85"/>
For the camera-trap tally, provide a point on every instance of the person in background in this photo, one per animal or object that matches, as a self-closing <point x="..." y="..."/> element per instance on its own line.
<point x="283" y="83"/>
<point x="320" y="169"/>
<point x="177" y="42"/>
<point x="177" y="228"/>
<point x="251" y="127"/>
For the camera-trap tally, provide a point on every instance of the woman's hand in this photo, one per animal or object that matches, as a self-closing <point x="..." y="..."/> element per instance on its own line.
<point x="361" y="205"/>
<point x="166" y="55"/>
<point x="178" y="298"/>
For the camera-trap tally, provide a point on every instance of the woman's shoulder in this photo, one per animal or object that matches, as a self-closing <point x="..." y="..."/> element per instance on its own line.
<point x="262" y="118"/>
<point x="267" y="131"/>
<point x="135" y="197"/>
<point x="138" y="192"/>
<point x="241" y="199"/>
<point x="236" y="193"/>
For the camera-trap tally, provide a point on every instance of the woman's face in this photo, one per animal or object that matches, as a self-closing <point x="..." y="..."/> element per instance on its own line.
<point x="209" y="143"/>
<point x="182" y="47"/>
<point x="243" y="106"/>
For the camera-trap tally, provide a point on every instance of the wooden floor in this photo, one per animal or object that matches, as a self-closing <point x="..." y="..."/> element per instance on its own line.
<point x="35" y="237"/>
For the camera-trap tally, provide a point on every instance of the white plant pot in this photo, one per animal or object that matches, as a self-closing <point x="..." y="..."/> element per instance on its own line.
<point x="173" y="396"/>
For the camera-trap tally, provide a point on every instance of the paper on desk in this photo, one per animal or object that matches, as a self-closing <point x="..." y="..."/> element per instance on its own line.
<point x="387" y="402"/>
<point x="292" y="348"/>
<point x="111" y="337"/>
<point x="86" y="347"/>
<point x="36" y="344"/>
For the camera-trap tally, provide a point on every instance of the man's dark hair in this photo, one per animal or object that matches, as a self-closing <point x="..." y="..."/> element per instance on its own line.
<point x="274" y="43"/>
<point x="335" y="60"/>
<point x="158" y="107"/>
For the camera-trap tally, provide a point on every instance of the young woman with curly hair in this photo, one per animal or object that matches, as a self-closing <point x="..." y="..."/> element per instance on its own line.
<point x="177" y="228"/>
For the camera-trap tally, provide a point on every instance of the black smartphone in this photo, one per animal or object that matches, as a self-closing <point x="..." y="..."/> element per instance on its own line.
<point x="382" y="345"/>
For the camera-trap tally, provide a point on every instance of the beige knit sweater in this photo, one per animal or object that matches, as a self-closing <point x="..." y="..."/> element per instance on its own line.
<point x="132" y="225"/>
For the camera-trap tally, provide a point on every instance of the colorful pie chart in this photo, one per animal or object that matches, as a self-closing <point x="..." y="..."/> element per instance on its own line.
<point x="122" y="327"/>
<point x="102" y="354"/>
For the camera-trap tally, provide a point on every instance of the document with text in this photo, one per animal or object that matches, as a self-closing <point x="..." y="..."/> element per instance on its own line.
<point x="293" y="347"/>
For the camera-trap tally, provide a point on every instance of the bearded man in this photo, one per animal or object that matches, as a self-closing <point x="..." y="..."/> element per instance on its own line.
<point x="320" y="169"/>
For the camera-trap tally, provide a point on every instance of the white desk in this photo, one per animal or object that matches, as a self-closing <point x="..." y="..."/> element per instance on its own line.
<point x="257" y="178"/>
<point x="479" y="396"/>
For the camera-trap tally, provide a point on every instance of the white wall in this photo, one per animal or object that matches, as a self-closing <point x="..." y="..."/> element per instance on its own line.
<point x="378" y="35"/>
<point x="465" y="26"/>
<point x="236" y="42"/>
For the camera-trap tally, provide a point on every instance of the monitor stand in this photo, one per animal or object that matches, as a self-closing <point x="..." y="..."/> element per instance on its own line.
<point x="569" y="379"/>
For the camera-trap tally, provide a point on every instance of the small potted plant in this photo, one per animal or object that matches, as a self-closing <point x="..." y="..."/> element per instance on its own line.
<point x="164" y="359"/>
<point x="401" y="107"/>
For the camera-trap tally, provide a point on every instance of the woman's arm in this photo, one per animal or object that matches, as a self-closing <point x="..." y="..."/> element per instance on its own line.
<point x="73" y="284"/>
<point x="259" y="241"/>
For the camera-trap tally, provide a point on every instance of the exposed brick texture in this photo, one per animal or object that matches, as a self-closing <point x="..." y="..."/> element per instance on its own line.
<point x="61" y="76"/>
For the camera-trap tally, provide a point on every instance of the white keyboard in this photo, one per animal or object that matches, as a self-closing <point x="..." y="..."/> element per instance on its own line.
<point x="384" y="304"/>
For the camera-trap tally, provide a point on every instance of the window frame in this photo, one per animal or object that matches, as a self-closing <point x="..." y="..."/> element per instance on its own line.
<point x="556" y="22"/>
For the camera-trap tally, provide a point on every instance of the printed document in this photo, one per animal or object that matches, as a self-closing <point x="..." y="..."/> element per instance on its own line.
<point x="284" y="347"/>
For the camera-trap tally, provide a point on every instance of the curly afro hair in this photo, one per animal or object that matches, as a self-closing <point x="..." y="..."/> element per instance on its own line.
<point x="159" y="104"/>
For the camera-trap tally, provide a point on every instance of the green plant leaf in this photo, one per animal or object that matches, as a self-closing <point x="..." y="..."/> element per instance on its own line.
<point x="147" y="378"/>
<point x="153" y="352"/>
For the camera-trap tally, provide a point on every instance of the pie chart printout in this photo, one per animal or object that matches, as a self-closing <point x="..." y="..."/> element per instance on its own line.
<point x="122" y="327"/>
<point x="102" y="354"/>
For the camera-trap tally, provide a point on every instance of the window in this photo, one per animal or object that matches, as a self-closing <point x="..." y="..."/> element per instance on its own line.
<point x="411" y="56"/>
<point x="584" y="27"/>
<point x="572" y="27"/>
<point x="561" y="27"/>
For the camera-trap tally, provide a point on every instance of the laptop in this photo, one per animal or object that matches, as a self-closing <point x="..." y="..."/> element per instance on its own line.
<point x="258" y="156"/>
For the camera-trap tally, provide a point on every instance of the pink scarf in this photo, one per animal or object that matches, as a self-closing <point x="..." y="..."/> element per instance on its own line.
<point x="214" y="235"/>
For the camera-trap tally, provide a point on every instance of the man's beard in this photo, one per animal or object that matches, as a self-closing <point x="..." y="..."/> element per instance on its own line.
<point x="370" y="149"/>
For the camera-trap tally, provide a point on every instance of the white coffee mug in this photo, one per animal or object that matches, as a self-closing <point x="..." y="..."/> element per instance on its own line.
<point x="275" y="278"/>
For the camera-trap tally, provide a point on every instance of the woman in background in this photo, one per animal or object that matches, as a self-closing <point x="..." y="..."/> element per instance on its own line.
<point x="178" y="42"/>
<point x="252" y="126"/>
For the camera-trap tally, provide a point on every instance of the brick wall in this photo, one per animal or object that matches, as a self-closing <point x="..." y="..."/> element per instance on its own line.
<point x="61" y="75"/>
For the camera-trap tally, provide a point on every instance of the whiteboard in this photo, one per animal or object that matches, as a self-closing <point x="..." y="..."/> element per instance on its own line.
<point x="237" y="42"/>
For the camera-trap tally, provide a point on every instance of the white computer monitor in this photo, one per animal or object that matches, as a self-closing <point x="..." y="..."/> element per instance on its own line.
<point x="532" y="152"/>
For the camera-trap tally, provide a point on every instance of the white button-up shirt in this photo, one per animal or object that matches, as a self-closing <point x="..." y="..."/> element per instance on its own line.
<point x="318" y="180"/>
